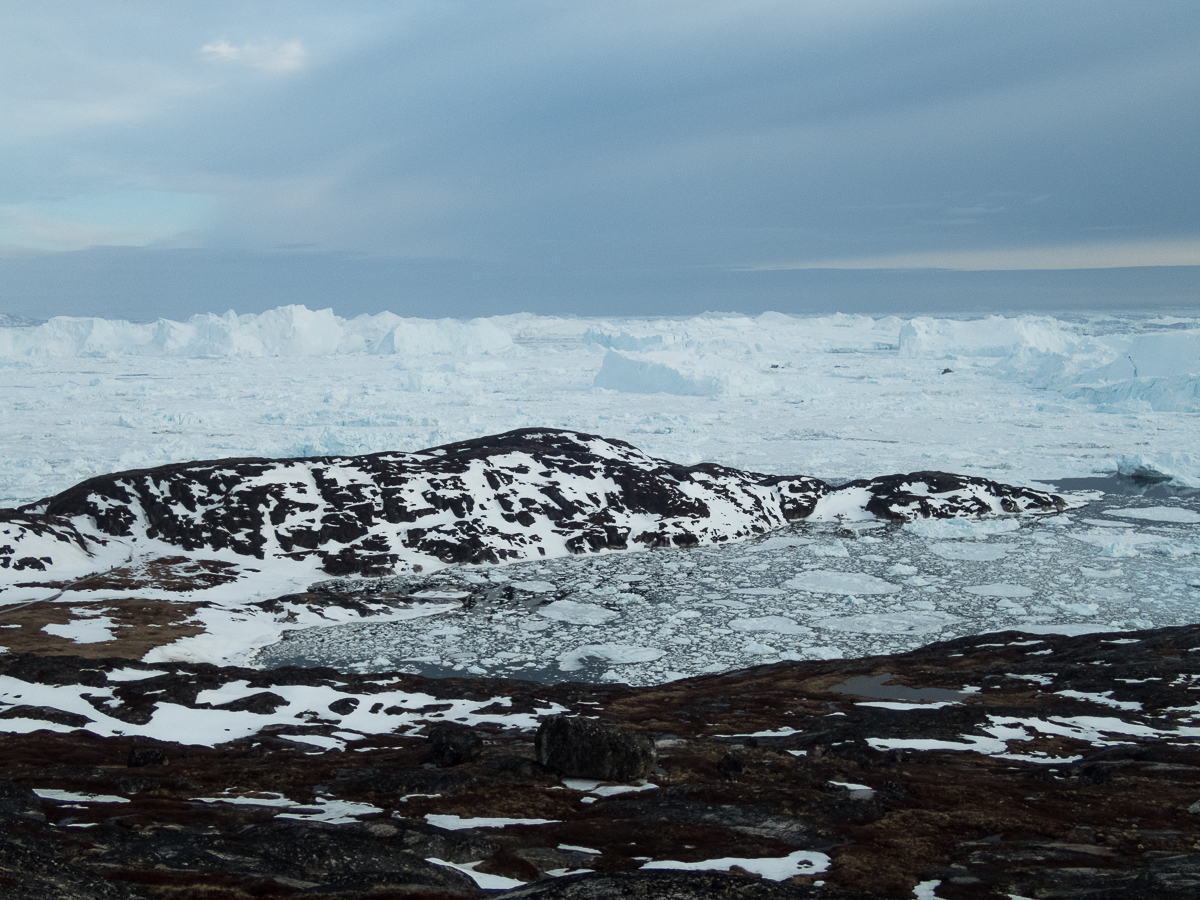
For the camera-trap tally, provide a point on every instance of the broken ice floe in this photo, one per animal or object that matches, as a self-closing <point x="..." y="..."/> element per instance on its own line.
<point x="1159" y="514"/>
<point x="654" y="617"/>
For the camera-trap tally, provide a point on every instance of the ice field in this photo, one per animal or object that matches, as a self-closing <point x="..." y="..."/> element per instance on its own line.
<point x="1026" y="400"/>
<point x="810" y="591"/>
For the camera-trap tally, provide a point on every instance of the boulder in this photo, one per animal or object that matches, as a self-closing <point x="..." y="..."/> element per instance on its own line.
<point x="453" y="745"/>
<point x="344" y="707"/>
<point x="583" y="748"/>
<point x="264" y="703"/>
<point x="146" y="756"/>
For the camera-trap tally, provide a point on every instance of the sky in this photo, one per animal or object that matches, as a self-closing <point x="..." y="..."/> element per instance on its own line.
<point x="455" y="158"/>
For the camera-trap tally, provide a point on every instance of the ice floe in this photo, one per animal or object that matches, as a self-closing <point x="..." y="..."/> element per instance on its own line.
<point x="890" y="623"/>
<point x="821" y="581"/>
<point x="1174" y="514"/>
<point x="619" y="654"/>
<point x="1000" y="589"/>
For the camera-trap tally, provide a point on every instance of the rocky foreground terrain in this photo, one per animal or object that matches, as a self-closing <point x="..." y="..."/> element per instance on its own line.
<point x="996" y="766"/>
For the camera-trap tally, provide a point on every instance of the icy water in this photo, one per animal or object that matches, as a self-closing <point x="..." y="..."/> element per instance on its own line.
<point x="815" y="591"/>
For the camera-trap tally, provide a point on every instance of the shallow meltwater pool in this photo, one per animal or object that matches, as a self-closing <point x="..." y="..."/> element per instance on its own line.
<point x="1121" y="562"/>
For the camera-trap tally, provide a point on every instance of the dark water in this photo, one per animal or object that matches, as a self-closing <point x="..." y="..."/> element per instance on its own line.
<point x="1129" y="486"/>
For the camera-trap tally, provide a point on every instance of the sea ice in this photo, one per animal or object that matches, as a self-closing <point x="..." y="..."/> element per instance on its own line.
<point x="574" y="613"/>
<point x="890" y="623"/>
<point x="821" y="581"/>
<point x="619" y="654"/>
<point x="961" y="529"/>
<point x="777" y="624"/>
<point x="682" y="373"/>
<point x="1159" y="514"/>
<point x="972" y="552"/>
<point x="534" y="587"/>
<point x="1000" y="589"/>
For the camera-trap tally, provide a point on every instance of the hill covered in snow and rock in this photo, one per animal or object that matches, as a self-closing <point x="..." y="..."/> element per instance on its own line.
<point x="529" y="493"/>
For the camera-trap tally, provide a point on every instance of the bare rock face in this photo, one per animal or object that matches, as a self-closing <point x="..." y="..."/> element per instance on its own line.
<point x="944" y="495"/>
<point x="521" y="495"/>
<point x="33" y="869"/>
<point x="535" y="491"/>
<point x="583" y="748"/>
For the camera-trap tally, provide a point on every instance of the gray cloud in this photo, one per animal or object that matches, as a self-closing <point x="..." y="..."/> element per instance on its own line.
<point x="618" y="138"/>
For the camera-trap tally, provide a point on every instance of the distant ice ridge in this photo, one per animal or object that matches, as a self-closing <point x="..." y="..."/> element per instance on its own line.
<point x="926" y="338"/>
<point x="711" y="356"/>
<point x="708" y="355"/>
<point x="295" y="331"/>
<point x="1158" y="371"/>
<point x="286" y="331"/>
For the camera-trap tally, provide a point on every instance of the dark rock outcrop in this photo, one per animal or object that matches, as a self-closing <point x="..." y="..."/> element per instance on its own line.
<point x="146" y="756"/>
<point x="584" y="748"/>
<point x="453" y="745"/>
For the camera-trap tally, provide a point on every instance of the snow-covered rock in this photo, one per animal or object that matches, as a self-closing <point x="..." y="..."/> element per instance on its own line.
<point x="526" y="494"/>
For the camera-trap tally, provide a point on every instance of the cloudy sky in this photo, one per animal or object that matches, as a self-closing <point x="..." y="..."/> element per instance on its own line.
<point x="474" y="157"/>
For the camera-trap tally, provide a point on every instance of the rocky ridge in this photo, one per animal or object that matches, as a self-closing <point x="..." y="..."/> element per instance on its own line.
<point x="530" y="493"/>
